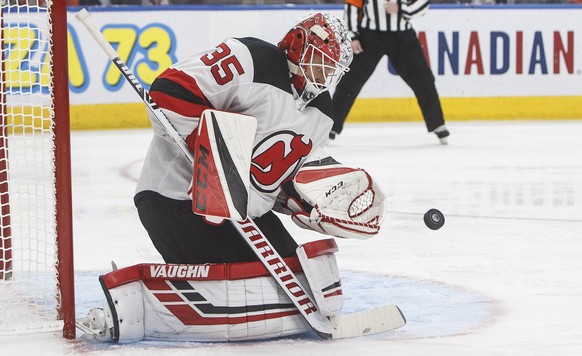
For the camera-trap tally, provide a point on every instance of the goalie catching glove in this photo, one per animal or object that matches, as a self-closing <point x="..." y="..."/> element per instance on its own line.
<point x="333" y="199"/>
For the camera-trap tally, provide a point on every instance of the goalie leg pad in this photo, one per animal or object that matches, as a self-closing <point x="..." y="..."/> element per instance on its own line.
<point x="125" y="311"/>
<point x="320" y="267"/>
<point x="209" y="302"/>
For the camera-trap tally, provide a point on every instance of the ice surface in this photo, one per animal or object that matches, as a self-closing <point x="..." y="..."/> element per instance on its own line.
<point x="502" y="277"/>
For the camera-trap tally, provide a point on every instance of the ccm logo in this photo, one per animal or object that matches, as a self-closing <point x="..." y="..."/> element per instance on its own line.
<point x="334" y="189"/>
<point x="202" y="179"/>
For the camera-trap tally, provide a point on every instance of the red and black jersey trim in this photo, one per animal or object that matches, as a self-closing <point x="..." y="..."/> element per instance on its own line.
<point x="269" y="63"/>
<point x="327" y="161"/>
<point x="174" y="89"/>
<point x="177" y="91"/>
<point x="323" y="103"/>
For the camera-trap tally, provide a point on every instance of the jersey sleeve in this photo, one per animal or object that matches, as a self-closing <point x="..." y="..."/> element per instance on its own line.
<point x="413" y="9"/>
<point x="215" y="78"/>
<point x="352" y="16"/>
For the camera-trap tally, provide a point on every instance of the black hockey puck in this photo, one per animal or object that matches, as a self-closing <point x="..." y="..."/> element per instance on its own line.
<point x="434" y="219"/>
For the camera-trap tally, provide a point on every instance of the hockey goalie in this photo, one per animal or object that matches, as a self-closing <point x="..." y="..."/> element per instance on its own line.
<point x="257" y="134"/>
<point x="240" y="300"/>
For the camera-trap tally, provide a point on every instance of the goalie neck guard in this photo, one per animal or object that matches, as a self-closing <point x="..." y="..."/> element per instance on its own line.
<point x="319" y="52"/>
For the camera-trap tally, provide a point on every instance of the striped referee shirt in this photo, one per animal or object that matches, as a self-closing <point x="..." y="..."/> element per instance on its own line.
<point x="372" y="15"/>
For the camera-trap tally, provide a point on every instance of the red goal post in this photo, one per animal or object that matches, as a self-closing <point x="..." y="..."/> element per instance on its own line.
<point x="36" y="250"/>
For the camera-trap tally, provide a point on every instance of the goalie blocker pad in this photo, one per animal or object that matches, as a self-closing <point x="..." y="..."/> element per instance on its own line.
<point x="221" y="179"/>
<point x="209" y="302"/>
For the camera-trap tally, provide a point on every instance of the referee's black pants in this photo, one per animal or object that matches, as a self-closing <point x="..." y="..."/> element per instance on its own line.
<point x="405" y="52"/>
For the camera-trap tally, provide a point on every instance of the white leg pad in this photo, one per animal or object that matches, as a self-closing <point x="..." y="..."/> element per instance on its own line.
<point x="207" y="302"/>
<point x="127" y="312"/>
<point x="320" y="267"/>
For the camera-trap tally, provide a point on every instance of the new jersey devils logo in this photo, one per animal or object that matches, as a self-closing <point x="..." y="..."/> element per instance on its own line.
<point x="276" y="157"/>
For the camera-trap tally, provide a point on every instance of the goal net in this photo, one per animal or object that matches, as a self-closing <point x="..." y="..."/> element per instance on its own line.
<point x="36" y="264"/>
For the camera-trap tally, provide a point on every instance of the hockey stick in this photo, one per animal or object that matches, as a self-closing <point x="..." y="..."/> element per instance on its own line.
<point x="83" y="17"/>
<point x="357" y="324"/>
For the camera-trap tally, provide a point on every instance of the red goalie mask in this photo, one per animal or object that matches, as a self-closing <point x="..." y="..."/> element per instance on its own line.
<point x="319" y="52"/>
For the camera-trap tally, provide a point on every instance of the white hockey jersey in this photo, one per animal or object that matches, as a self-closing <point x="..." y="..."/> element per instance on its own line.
<point x="247" y="76"/>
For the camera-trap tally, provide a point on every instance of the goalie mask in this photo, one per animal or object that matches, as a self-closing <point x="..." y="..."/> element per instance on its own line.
<point x="319" y="52"/>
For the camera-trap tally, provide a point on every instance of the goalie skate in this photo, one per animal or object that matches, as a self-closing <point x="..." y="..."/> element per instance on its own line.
<point x="95" y="324"/>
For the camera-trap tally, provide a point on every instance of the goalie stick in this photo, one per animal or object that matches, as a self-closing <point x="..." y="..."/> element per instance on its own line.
<point x="368" y="322"/>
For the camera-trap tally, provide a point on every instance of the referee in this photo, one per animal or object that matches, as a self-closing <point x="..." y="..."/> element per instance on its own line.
<point x="382" y="27"/>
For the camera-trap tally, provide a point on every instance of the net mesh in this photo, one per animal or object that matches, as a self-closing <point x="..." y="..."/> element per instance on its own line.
<point x="28" y="276"/>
